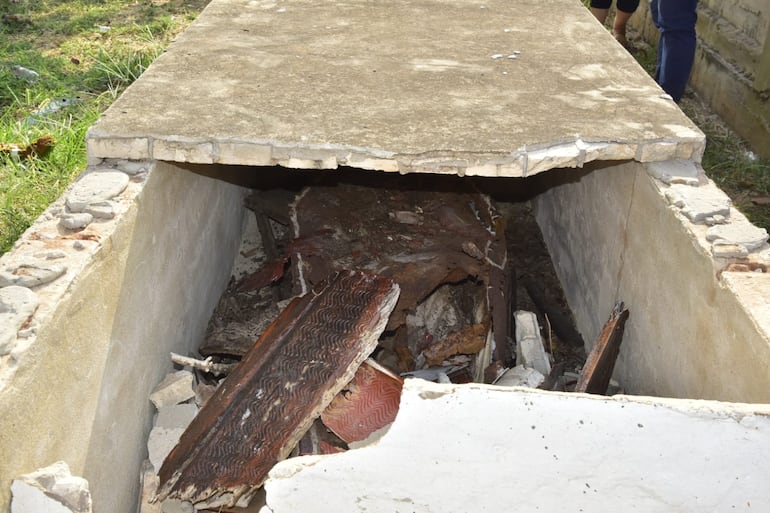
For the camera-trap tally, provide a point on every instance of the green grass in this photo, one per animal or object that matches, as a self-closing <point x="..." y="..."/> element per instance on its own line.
<point x="85" y="53"/>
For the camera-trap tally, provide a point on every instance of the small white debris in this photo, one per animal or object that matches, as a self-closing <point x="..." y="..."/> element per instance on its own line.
<point x="497" y="56"/>
<point x="282" y="9"/>
<point x="51" y="490"/>
<point x="513" y="56"/>
<point x="520" y="376"/>
<point x="506" y="30"/>
<point x="103" y="28"/>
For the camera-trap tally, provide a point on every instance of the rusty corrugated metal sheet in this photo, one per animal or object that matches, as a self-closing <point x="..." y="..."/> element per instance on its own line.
<point x="283" y="383"/>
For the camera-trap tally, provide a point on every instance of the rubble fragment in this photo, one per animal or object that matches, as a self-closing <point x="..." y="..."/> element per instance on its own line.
<point x="176" y="387"/>
<point x="529" y="344"/>
<point x="170" y="423"/>
<point x="520" y="376"/>
<point x="94" y="188"/>
<point x="52" y="489"/>
<point x="292" y="373"/>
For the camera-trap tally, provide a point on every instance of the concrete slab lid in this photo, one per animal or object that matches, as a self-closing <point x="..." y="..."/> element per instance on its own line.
<point x="492" y="88"/>
<point x="460" y="448"/>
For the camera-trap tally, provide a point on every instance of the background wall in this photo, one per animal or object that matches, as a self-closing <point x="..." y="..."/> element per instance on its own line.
<point x="732" y="63"/>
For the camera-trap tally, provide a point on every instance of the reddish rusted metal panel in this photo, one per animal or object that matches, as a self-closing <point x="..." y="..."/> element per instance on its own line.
<point x="284" y="382"/>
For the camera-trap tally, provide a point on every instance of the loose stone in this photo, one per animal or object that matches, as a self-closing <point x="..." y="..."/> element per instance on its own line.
<point x="52" y="490"/>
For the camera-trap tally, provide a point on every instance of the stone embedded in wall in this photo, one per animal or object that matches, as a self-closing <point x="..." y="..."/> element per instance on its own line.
<point x="739" y="231"/>
<point x="51" y="490"/>
<point x="700" y="205"/>
<point x="95" y="187"/>
<point x="101" y="209"/>
<point x="132" y="167"/>
<point x="75" y="221"/>
<point x="30" y="273"/>
<point x="17" y="304"/>
<point x="685" y="172"/>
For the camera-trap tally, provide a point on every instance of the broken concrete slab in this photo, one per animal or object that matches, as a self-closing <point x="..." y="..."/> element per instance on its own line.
<point x="52" y="489"/>
<point x="605" y="453"/>
<point x="322" y="86"/>
<point x="260" y="412"/>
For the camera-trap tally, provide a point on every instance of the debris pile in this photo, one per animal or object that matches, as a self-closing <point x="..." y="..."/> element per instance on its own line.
<point x="357" y="287"/>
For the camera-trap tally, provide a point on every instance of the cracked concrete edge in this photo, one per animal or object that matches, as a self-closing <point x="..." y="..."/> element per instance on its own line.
<point x="720" y="229"/>
<point x="523" y="162"/>
<point x="55" y="255"/>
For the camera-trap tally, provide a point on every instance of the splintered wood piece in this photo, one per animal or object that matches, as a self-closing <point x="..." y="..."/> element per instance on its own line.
<point x="290" y="375"/>
<point x="600" y="363"/>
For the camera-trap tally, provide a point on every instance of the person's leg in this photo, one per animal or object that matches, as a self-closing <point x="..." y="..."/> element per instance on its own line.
<point x="624" y="10"/>
<point x="676" y="51"/>
<point x="600" y="9"/>
<point x="655" y="13"/>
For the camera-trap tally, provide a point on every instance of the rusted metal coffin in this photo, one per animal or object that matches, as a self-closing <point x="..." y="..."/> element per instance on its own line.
<point x="284" y="382"/>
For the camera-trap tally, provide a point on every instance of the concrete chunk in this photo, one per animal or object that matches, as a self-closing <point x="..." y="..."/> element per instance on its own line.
<point x="50" y="490"/>
<point x="169" y="425"/>
<point x="520" y="376"/>
<point x="176" y="387"/>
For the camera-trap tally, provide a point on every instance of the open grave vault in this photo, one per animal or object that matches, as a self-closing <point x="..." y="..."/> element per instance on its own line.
<point x="128" y="265"/>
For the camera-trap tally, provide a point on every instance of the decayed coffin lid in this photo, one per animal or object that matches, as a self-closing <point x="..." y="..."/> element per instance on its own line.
<point x="283" y="383"/>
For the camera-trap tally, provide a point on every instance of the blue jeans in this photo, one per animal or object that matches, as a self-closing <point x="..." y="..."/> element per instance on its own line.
<point x="675" y="19"/>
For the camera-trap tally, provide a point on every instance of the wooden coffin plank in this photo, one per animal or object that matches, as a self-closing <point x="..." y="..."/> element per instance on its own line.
<point x="597" y="371"/>
<point x="284" y="382"/>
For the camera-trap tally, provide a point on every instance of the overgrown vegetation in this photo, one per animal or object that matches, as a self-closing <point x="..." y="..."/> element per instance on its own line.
<point x="61" y="64"/>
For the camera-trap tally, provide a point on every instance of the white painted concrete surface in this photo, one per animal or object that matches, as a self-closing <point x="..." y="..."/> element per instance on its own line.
<point x="462" y="448"/>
